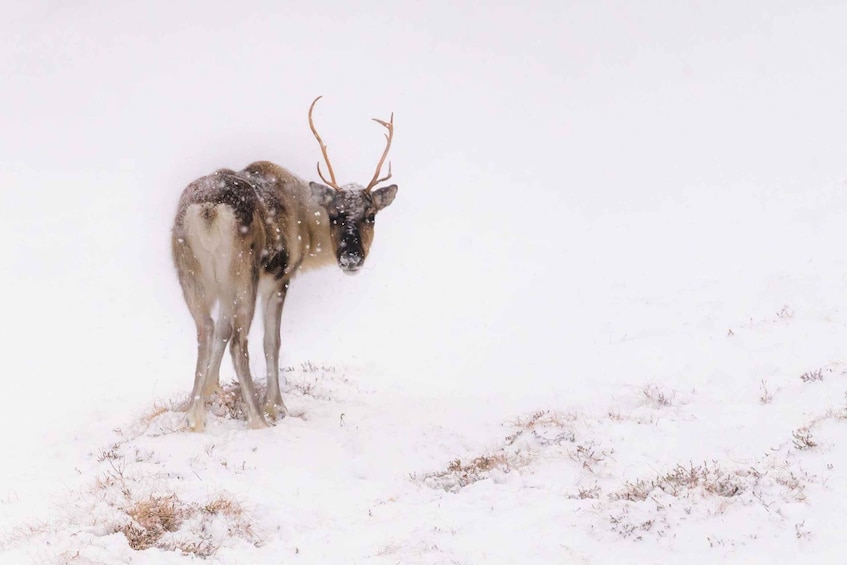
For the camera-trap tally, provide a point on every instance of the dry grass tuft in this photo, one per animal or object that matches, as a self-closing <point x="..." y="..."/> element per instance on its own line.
<point x="164" y="521"/>
<point x="166" y="417"/>
<point x="541" y="430"/>
<point x="658" y="397"/>
<point x="154" y="517"/>
<point x="588" y="456"/>
<point x="803" y="439"/>
<point x="151" y="518"/>
<point x="812" y="376"/>
<point x="545" y="427"/>
<point x="224" y="506"/>
<point x="624" y="526"/>
<point x="227" y="401"/>
<point x="588" y="492"/>
<point x="677" y="482"/>
<point x="111" y="454"/>
<point x="24" y="532"/>
<point x="480" y="464"/>
<point x="767" y="396"/>
<point x="314" y="380"/>
<point x="458" y="475"/>
<point x="785" y="313"/>
<point x="309" y="367"/>
<point x="542" y="418"/>
<point x="800" y="530"/>
<point x="157" y="410"/>
<point x="464" y="474"/>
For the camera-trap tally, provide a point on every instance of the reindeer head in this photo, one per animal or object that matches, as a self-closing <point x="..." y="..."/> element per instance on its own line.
<point x="352" y="208"/>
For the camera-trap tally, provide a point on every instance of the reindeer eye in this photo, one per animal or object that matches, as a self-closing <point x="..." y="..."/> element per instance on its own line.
<point x="371" y="219"/>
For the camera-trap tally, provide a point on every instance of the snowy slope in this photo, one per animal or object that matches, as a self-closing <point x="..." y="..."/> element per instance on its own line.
<point x="603" y="321"/>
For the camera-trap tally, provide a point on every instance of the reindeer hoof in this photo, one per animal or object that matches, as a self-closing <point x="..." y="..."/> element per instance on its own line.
<point x="275" y="410"/>
<point x="196" y="420"/>
<point x="258" y="423"/>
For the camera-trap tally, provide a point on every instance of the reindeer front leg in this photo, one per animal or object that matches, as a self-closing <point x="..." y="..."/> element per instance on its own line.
<point x="273" y="303"/>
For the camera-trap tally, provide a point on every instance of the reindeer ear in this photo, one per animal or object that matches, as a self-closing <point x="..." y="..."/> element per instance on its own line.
<point x="322" y="194"/>
<point x="384" y="196"/>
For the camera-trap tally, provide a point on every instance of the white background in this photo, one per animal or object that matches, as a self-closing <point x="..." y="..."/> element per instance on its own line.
<point x="592" y="195"/>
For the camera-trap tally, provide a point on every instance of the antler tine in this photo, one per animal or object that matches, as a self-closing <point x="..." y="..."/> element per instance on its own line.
<point x="332" y="183"/>
<point x="388" y="136"/>
<point x="386" y="177"/>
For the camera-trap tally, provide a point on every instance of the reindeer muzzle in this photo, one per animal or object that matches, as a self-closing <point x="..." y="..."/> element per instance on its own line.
<point x="351" y="261"/>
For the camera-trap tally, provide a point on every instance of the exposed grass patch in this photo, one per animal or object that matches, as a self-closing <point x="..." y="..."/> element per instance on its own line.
<point x="133" y="497"/>
<point x="539" y="425"/>
<point x="545" y="432"/>
<point x="171" y="524"/>
<point x="709" y="479"/>
<point x="459" y="474"/>
<point x="699" y="492"/>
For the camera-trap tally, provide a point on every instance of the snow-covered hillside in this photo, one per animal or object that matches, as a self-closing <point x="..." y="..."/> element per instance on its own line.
<point x="603" y="322"/>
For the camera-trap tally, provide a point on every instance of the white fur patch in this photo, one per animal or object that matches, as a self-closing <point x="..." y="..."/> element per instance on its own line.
<point x="211" y="241"/>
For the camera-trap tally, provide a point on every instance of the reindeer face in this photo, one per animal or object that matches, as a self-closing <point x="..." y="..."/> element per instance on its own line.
<point x="352" y="213"/>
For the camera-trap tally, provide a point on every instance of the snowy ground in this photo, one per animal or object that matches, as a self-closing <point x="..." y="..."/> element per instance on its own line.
<point x="603" y="322"/>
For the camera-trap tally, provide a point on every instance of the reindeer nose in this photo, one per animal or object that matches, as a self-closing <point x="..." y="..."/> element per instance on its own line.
<point x="351" y="260"/>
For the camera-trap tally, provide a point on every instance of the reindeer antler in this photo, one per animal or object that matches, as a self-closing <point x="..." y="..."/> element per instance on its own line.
<point x="389" y="125"/>
<point x="333" y="184"/>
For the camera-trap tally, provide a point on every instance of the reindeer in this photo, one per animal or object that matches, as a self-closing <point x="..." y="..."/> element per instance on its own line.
<point x="239" y="237"/>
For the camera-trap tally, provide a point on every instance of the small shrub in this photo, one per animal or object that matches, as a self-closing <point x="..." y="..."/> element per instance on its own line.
<point x="803" y="439"/>
<point x="812" y="376"/>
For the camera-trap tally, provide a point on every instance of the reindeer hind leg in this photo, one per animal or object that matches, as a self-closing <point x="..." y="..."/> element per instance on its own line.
<point x="245" y="278"/>
<point x="222" y="335"/>
<point x="200" y="301"/>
